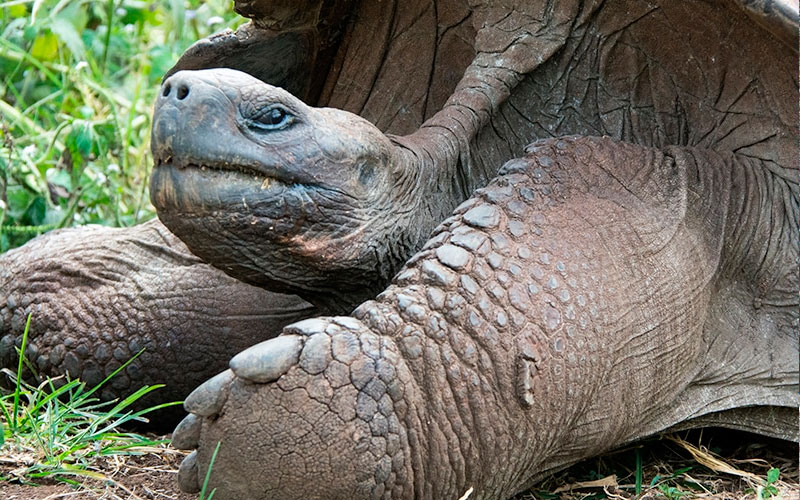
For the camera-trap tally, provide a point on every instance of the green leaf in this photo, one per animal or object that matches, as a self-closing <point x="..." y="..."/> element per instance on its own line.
<point x="772" y="475"/>
<point x="45" y="47"/>
<point x="135" y="14"/>
<point x="69" y="36"/>
<point x="35" y="213"/>
<point x="18" y="200"/>
<point x="681" y="471"/>
<point x="81" y="142"/>
<point x="19" y="10"/>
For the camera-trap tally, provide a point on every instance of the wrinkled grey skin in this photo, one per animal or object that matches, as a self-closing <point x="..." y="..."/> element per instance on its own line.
<point x="601" y="289"/>
<point x="97" y="296"/>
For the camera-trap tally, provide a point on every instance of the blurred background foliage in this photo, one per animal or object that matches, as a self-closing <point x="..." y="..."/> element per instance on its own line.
<point x="77" y="83"/>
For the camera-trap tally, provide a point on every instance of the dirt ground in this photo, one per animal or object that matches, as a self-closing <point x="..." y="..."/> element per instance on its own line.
<point x="152" y="474"/>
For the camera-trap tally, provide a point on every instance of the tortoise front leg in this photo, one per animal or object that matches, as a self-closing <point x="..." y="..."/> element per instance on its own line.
<point x="97" y="296"/>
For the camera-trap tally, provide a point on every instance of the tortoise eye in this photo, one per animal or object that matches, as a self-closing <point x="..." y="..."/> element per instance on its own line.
<point x="272" y="119"/>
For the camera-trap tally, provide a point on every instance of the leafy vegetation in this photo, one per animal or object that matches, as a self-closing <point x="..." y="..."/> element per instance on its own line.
<point x="77" y="82"/>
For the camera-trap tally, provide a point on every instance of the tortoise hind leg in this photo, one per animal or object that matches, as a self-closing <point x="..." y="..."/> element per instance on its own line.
<point x="745" y="212"/>
<point x="751" y="325"/>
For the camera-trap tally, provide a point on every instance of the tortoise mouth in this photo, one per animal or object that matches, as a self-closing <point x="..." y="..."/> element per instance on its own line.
<point x="264" y="174"/>
<point x="197" y="189"/>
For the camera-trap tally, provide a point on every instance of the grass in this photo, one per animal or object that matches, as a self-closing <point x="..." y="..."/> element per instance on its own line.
<point x="77" y="83"/>
<point x="208" y="475"/>
<point x="59" y="428"/>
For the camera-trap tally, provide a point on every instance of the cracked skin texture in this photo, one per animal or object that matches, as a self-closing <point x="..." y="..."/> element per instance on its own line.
<point x="99" y="295"/>
<point x="536" y="328"/>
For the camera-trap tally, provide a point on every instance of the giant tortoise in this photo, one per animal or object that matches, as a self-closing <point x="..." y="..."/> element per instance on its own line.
<point x="644" y="252"/>
<point x="632" y="269"/>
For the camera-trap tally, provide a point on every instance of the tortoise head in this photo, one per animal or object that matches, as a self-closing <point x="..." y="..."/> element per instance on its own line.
<point x="274" y="192"/>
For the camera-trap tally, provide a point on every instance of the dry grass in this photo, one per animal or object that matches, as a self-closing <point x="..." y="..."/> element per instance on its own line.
<point x="708" y="464"/>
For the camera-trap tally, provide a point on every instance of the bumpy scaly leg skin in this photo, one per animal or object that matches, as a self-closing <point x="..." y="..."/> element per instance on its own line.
<point x="99" y="295"/>
<point x="569" y="307"/>
<point x="344" y="392"/>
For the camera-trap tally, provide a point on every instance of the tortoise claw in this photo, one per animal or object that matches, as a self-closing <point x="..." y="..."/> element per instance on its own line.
<point x="187" y="435"/>
<point x="208" y="399"/>
<point x="268" y="360"/>
<point x="188" y="474"/>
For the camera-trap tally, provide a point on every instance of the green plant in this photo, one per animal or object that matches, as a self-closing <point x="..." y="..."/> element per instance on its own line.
<point x="638" y="479"/>
<point x="770" y="489"/>
<point x="77" y="82"/>
<point x="208" y="475"/>
<point x="671" y="492"/>
<point x="675" y="485"/>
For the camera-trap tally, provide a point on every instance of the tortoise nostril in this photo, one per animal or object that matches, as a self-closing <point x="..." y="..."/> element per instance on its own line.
<point x="167" y="89"/>
<point x="183" y="91"/>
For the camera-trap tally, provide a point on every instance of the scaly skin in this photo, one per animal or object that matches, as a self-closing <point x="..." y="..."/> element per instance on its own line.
<point x="569" y="307"/>
<point x="98" y="295"/>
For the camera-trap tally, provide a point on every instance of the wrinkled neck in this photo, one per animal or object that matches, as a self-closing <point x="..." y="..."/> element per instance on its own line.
<point x="446" y="145"/>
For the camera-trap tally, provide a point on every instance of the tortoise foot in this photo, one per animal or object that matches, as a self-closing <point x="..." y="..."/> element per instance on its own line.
<point x="327" y="400"/>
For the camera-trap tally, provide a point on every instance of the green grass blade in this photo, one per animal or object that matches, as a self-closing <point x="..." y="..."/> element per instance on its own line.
<point x="638" y="471"/>
<point x="208" y="475"/>
<point x="17" y="385"/>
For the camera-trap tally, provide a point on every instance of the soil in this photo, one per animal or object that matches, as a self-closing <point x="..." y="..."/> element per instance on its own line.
<point x="151" y="475"/>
